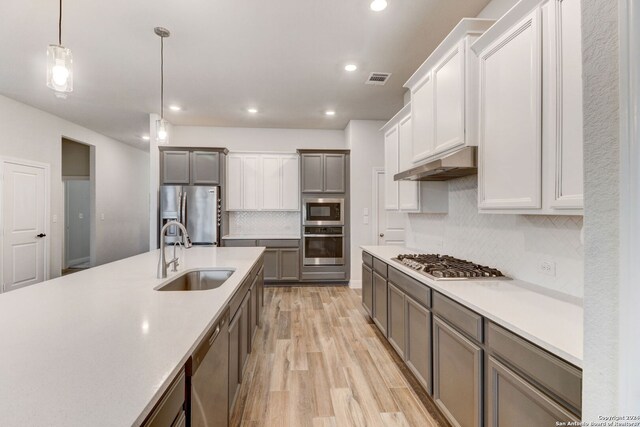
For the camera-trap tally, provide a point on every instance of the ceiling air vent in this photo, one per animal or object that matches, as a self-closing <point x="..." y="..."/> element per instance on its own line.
<point x="378" y="79"/>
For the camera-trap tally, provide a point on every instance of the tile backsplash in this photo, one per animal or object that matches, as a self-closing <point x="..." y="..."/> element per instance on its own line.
<point x="264" y="222"/>
<point x="515" y="244"/>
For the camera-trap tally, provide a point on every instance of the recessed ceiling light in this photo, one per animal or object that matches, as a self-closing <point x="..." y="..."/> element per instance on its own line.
<point x="378" y="5"/>
<point x="175" y="107"/>
<point x="330" y="113"/>
<point x="350" y="67"/>
<point x="145" y="137"/>
<point x="252" y="110"/>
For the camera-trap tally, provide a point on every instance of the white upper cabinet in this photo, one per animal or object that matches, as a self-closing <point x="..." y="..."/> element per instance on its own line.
<point x="422" y="119"/>
<point x="267" y="182"/>
<point x="530" y="121"/>
<point x="444" y="95"/>
<point x="448" y="89"/>
<point x="564" y="76"/>
<point x="391" y="141"/>
<point x="290" y="178"/>
<point x="408" y="196"/>
<point x="408" y="191"/>
<point x="510" y="118"/>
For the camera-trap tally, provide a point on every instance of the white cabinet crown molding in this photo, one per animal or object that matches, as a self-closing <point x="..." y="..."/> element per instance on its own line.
<point x="467" y="26"/>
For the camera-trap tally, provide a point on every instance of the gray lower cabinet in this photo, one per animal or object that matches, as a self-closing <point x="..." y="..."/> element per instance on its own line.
<point x="281" y="258"/>
<point x="380" y="302"/>
<point x="253" y="305"/>
<point x="234" y="358"/>
<point x="245" y="332"/>
<point x="205" y="168"/>
<point x="289" y="264"/>
<point x="367" y="289"/>
<point x="512" y="400"/>
<point x="396" y="318"/>
<point x="418" y="339"/>
<point x="457" y="375"/>
<point x="282" y="264"/>
<point x="174" y="167"/>
<point x="170" y="410"/>
<point x="271" y="264"/>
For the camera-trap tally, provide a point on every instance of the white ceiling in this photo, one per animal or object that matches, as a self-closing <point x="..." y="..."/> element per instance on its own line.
<point x="285" y="57"/>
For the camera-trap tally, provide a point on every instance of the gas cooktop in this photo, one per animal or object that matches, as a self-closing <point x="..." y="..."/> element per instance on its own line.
<point x="444" y="267"/>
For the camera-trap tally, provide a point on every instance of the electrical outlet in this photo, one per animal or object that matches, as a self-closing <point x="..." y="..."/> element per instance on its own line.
<point x="548" y="267"/>
<point x="365" y="220"/>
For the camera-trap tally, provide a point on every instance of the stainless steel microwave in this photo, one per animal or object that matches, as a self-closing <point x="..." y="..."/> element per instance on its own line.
<point x="323" y="211"/>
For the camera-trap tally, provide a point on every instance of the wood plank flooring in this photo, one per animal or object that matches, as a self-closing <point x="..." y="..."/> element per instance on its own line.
<point x="318" y="361"/>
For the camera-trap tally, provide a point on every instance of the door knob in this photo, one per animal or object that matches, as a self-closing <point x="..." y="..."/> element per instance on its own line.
<point x="381" y="234"/>
<point x="41" y="235"/>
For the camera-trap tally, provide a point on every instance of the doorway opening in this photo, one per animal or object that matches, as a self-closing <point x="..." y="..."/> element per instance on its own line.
<point x="388" y="226"/>
<point x="79" y="189"/>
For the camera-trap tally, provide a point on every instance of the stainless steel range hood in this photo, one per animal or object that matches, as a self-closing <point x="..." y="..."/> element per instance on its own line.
<point x="458" y="164"/>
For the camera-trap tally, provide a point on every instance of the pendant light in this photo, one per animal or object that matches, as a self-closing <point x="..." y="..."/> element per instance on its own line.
<point x="59" y="65"/>
<point x="162" y="128"/>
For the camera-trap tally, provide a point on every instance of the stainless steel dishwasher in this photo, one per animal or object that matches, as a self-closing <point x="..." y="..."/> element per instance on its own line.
<point x="210" y="378"/>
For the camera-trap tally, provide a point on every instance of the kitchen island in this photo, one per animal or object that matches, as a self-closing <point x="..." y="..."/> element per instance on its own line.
<point x="100" y="347"/>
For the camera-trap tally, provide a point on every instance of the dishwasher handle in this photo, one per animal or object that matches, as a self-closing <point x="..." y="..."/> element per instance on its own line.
<point x="204" y="347"/>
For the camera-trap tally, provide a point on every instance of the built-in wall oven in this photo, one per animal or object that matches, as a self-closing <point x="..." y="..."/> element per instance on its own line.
<point x="323" y="245"/>
<point x="323" y="211"/>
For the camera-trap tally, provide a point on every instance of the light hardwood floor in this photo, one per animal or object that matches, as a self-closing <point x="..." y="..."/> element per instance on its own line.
<point x="318" y="361"/>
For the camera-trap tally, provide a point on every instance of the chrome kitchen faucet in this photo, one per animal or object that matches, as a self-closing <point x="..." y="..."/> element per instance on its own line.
<point x="162" y="263"/>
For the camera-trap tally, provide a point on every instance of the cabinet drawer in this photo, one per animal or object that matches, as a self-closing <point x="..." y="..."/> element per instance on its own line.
<point x="239" y="243"/>
<point x="461" y="317"/>
<point x="380" y="267"/>
<point x="170" y="406"/>
<point x="419" y="292"/>
<point x="367" y="259"/>
<point x="279" y="243"/>
<point x="551" y="373"/>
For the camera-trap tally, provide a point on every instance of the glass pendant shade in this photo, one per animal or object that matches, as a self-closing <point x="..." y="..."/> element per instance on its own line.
<point x="162" y="131"/>
<point x="59" y="69"/>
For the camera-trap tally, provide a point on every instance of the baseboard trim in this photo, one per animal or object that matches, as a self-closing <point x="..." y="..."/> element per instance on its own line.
<point x="355" y="284"/>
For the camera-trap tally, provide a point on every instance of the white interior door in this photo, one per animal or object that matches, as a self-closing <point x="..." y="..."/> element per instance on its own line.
<point x="23" y="213"/>
<point x="390" y="225"/>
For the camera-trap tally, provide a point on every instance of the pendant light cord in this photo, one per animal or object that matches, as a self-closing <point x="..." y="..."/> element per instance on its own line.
<point x="161" y="77"/>
<point x="60" y="26"/>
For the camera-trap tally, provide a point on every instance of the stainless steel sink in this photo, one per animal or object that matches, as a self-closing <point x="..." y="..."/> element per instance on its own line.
<point x="200" y="280"/>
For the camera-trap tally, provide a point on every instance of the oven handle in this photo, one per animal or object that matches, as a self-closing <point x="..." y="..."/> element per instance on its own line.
<point x="323" y="235"/>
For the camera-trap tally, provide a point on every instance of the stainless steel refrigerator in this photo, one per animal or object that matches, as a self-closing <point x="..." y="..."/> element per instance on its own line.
<point x="198" y="208"/>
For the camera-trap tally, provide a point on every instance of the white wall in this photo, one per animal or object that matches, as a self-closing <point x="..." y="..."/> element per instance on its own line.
<point x="366" y="142"/>
<point x="515" y="244"/>
<point x="496" y="8"/>
<point x="235" y="139"/>
<point x="121" y="174"/>
<point x="601" y="155"/>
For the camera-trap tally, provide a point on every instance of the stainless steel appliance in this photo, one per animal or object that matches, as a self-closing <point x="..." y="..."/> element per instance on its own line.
<point x="463" y="162"/>
<point x="444" y="267"/>
<point x="210" y="379"/>
<point x="323" y="246"/>
<point x="198" y="208"/>
<point x="323" y="211"/>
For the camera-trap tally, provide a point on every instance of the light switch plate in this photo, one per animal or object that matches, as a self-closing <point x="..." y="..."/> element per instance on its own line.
<point x="101" y="217"/>
<point x="365" y="220"/>
<point x="55" y="218"/>
<point x="365" y="211"/>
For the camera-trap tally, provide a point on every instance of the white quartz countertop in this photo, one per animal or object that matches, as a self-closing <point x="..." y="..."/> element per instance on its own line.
<point x="549" y="321"/>
<point x="99" y="347"/>
<point x="261" y="237"/>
